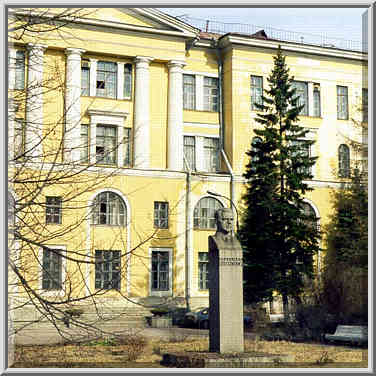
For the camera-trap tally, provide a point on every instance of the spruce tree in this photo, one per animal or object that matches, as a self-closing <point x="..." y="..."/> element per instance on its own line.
<point x="279" y="240"/>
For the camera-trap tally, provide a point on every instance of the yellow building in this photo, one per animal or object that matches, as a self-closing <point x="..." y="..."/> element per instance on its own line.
<point x="153" y="114"/>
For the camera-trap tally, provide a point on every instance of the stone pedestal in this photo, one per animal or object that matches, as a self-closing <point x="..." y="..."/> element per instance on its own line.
<point x="226" y="333"/>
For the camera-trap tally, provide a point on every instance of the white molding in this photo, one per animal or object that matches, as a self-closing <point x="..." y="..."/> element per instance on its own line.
<point x="194" y="134"/>
<point x="117" y="25"/>
<point x="202" y="125"/>
<point x="290" y="46"/>
<point x="170" y="275"/>
<point x="62" y="291"/>
<point x="197" y="73"/>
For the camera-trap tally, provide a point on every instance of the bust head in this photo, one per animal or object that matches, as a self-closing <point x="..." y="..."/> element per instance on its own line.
<point x="225" y="220"/>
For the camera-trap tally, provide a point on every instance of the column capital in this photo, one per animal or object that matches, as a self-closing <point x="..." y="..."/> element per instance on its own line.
<point x="74" y="51"/>
<point x="143" y="59"/>
<point x="35" y="46"/>
<point x="176" y="64"/>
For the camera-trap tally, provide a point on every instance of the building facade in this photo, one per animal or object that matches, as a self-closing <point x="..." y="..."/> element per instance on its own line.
<point x="160" y="114"/>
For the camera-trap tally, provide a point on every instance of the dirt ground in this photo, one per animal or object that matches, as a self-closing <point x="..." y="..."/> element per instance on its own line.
<point x="145" y="349"/>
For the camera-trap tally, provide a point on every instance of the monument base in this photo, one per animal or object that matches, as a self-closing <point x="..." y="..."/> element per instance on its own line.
<point x="216" y="360"/>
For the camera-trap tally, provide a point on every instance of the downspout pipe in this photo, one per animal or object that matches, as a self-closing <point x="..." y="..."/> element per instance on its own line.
<point x="222" y="121"/>
<point x="188" y="234"/>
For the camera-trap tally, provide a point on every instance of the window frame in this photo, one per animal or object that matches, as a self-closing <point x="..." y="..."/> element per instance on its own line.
<point x="55" y="206"/>
<point x="209" y="220"/>
<point x="161" y="214"/>
<point x="103" y="207"/>
<point x="316" y="110"/>
<point x="255" y="96"/>
<point x="127" y="147"/>
<point x="109" y="157"/>
<point x="189" y="97"/>
<point x="203" y="271"/>
<point x="211" y="152"/>
<point x="62" y="250"/>
<point x="158" y="291"/>
<point x="295" y="84"/>
<point x="107" y="268"/>
<point x="103" y="78"/>
<point x="364" y="105"/>
<point x="191" y="163"/>
<point x="20" y="71"/>
<point x="85" y="67"/>
<point x="344" y="163"/>
<point x="342" y="101"/>
<point x="128" y="78"/>
<point x="85" y="147"/>
<point x="210" y="99"/>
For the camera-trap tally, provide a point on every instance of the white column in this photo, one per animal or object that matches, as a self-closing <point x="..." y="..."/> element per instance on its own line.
<point x="120" y="80"/>
<point x="142" y="113"/>
<point x="175" y="115"/>
<point x="73" y="105"/>
<point x="310" y="98"/>
<point x="93" y="77"/>
<point x="12" y="68"/>
<point x="34" y="101"/>
<point x="199" y="92"/>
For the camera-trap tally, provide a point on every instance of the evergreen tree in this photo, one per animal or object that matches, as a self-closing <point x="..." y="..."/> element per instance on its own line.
<point x="346" y="258"/>
<point x="278" y="238"/>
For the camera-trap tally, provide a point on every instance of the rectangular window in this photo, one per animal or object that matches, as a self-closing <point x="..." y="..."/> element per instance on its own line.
<point x="105" y="147"/>
<point x="365" y="105"/>
<point x="302" y="92"/>
<point x="20" y="70"/>
<point x="106" y="79"/>
<point x="210" y="94"/>
<point x="342" y="103"/>
<point x="189" y="152"/>
<point x="19" y="138"/>
<point x="52" y="269"/>
<point x="304" y="150"/>
<point x="127" y="147"/>
<point x="203" y="270"/>
<point x="127" y="81"/>
<point x="107" y="270"/>
<point x="256" y="91"/>
<point x="316" y="101"/>
<point x="84" y="143"/>
<point x="189" y="92"/>
<point x="211" y="154"/>
<point x="53" y="210"/>
<point x="85" y="77"/>
<point x="160" y="265"/>
<point x="160" y="214"/>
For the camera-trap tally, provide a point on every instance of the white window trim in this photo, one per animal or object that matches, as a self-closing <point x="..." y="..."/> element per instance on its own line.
<point x="169" y="291"/>
<point x="199" y="87"/>
<point x="110" y="118"/>
<point x="60" y="292"/>
<point x="199" y="149"/>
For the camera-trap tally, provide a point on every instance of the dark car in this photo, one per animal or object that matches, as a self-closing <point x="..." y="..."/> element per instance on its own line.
<point x="199" y="318"/>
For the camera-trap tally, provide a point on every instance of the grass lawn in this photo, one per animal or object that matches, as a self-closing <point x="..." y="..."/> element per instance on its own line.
<point x="137" y="352"/>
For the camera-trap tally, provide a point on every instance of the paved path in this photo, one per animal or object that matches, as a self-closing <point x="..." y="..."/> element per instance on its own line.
<point x="50" y="336"/>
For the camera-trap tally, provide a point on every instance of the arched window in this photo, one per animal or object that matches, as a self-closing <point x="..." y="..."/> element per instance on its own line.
<point x="344" y="161"/>
<point x="255" y="141"/>
<point x="109" y="209"/>
<point x="310" y="214"/>
<point x="203" y="215"/>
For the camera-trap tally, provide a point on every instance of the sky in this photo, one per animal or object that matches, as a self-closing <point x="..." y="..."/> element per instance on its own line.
<point x="343" y="23"/>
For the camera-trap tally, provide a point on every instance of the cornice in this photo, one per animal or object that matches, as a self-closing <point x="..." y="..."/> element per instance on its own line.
<point x="228" y="40"/>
